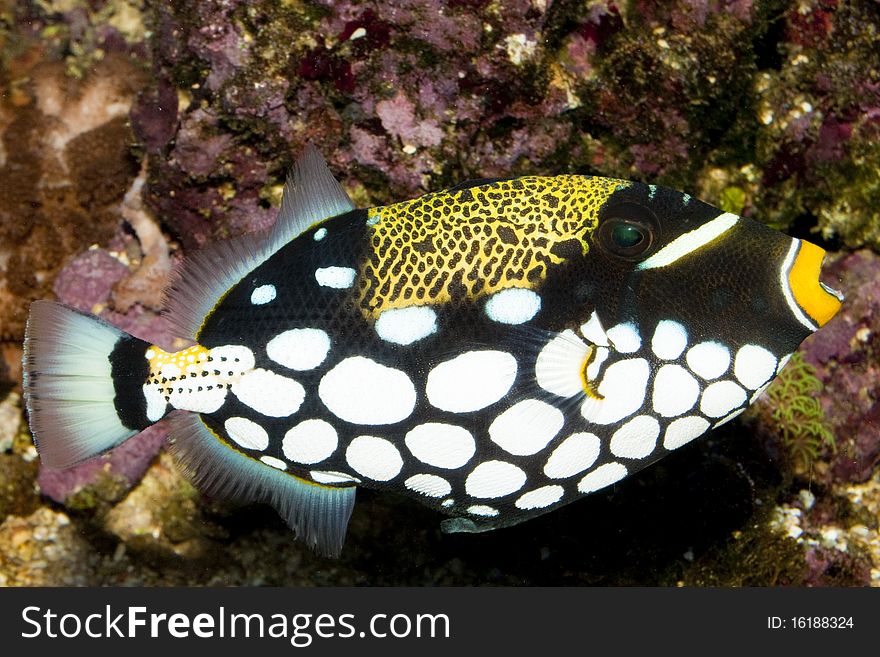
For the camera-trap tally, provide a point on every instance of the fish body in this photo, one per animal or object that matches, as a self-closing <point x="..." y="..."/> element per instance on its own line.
<point x="494" y="350"/>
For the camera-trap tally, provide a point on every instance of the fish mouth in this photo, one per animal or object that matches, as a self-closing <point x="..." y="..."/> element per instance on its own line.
<point x="813" y="302"/>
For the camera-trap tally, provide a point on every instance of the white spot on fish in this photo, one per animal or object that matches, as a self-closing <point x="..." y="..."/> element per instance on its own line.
<point x="246" y="433"/>
<point x="708" y="360"/>
<point x="404" y="326"/>
<point x="494" y="479"/>
<point x="299" y="349"/>
<point x="603" y="476"/>
<point x="471" y="381"/>
<point x="263" y="295"/>
<point x="310" y="441"/>
<point x="526" y="427"/>
<point x="623" y="388"/>
<point x="441" y="445"/>
<point x="670" y="339"/>
<point x="754" y="366"/>
<point x="362" y="391"/>
<point x="320" y="234"/>
<point x="573" y="455"/>
<point x="683" y="430"/>
<point x="636" y="439"/>
<point x="540" y="498"/>
<point x="721" y="398"/>
<point x="675" y="391"/>
<point x="336" y="277"/>
<point x="482" y="510"/>
<point x="269" y="393"/>
<point x="278" y="464"/>
<point x="374" y="457"/>
<point x="513" y="306"/>
<point x="332" y="477"/>
<point x="625" y="338"/>
<point x="428" y="484"/>
<point x="156" y="403"/>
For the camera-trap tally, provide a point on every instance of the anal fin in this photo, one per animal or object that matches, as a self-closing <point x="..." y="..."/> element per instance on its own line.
<point x="317" y="514"/>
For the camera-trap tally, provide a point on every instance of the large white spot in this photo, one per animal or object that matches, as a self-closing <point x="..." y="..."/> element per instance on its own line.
<point x="269" y="393"/>
<point x="332" y="477"/>
<point x="558" y="367"/>
<point x="540" y="498"/>
<point x="603" y="476"/>
<point x="362" y="391"/>
<point x="625" y="338"/>
<point x="708" y="359"/>
<point x="471" y="381"/>
<point x="441" y="445"/>
<point x="636" y="439"/>
<point x="513" y="306"/>
<point x="406" y="325"/>
<point x="428" y="484"/>
<point x="246" y="433"/>
<point x="494" y="479"/>
<point x="263" y="294"/>
<point x="336" y="277"/>
<point x="526" y="427"/>
<point x="754" y="366"/>
<point x="684" y="430"/>
<point x="299" y="349"/>
<point x="156" y="403"/>
<point x="310" y="441"/>
<point x="675" y="391"/>
<point x="232" y="358"/>
<point x="669" y="340"/>
<point x="623" y="391"/>
<point x="374" y="457"/>
<point x="278" y="464"/>
<point x="573" y="455"/>
<point x="721" y="398"/>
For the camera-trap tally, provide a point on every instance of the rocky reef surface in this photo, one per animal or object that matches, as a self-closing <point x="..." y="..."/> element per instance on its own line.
<point x="134" y="131"/>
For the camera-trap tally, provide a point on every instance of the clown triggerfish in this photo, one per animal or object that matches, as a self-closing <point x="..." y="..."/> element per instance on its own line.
<point x="494" y="350"/>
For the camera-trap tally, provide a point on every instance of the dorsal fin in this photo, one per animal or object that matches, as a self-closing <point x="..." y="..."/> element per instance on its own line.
<point x="311" y="194"/>
<point x="316" y="513"/>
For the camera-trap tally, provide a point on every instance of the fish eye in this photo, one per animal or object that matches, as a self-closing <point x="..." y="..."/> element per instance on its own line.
<point x="627" y="231"/>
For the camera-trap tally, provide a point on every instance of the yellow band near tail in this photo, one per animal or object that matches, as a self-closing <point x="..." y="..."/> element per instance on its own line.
<point x="803" y="278"/>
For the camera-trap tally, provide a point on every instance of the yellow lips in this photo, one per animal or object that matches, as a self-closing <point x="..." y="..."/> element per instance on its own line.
<point x="814" y="298"/>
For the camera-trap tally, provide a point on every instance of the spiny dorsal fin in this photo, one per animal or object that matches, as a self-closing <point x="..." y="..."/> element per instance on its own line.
<point x="317" y="514"/>
<point x="311" y="194"/>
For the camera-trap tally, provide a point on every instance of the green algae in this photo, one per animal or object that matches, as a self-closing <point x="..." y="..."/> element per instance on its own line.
<point x="797" y="415"/>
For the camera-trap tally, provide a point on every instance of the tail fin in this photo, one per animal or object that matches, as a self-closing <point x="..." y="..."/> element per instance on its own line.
<point x="82" y="382"/>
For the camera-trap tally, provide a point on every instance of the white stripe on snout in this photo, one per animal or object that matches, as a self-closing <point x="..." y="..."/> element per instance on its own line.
<point x="690" y="242"/>
<point x="786" y="287"/>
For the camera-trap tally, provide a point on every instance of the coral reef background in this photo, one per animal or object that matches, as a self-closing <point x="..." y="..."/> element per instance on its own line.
<point x="134" y="131"/>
